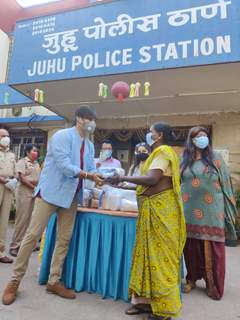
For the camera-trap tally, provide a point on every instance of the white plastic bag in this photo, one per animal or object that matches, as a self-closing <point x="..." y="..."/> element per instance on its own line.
<point x="129" y="206"/>
<point x="88" y="184"/>
<point x="120" y="171"/>
<point x="112" y="200"/>
<point x="87" y="196"/>
<point x="11" y="184"/>
<point x="129" y="195"/>
<point x="108" y="172"/>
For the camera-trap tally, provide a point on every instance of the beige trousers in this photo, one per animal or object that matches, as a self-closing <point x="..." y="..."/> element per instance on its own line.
<point x="65" y="221"/>
<point x="24" y="209"/>
<point x="5" y="207"/>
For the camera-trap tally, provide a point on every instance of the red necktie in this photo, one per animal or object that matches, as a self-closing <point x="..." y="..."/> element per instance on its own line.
<point x="81" y="164"/>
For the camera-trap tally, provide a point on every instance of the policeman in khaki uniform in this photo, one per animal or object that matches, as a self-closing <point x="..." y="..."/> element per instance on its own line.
<point x="28" y="171"/>
<point x="7" y="186"/>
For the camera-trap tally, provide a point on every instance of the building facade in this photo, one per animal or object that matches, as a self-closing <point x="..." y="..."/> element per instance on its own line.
<point x="180" y="60"/>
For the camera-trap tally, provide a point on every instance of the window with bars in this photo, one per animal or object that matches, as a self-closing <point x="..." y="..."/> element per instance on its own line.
<point x="19" y="139"/>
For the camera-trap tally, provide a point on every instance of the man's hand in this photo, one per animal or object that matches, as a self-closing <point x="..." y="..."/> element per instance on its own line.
<point x="115" y="180"/>
<point x="34" y="182"/>
<point x="3" y="180"/>
<point x="98" y="178"/>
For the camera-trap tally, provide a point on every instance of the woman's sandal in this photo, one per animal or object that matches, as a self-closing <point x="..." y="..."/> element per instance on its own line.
<point x="189" y="286"/>
<point x="138" y="309"/>
<point x="153" y="317"/>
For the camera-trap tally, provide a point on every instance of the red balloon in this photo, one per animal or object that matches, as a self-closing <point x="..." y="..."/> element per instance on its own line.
<point x="120" y="90"/>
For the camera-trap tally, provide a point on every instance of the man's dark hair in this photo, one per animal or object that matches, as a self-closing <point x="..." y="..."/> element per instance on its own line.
<point x="107" y="142"/>
<point x="85" y="112"/>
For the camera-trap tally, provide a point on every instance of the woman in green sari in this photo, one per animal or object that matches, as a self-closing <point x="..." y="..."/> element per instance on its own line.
<point x="210" y="211"/>
<point x="155" y="275"/>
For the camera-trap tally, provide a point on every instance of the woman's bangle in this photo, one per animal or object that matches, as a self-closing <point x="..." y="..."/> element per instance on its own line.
<point x="86" y="175"/>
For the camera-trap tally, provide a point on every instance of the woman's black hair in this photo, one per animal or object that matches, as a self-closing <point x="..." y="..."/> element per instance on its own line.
<point x="136" y="162"/>
<point x="189" y="152"/>
<point x="143" y="144"/>
<point x="166" y="130"/>
<point x="28" y="148"/>
<point x="85" y="112"/>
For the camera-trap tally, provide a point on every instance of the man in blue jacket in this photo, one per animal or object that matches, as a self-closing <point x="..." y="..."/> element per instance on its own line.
<point x="69" y="160"/>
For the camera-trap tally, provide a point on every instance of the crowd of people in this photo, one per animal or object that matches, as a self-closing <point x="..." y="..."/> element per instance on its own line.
<point x="186" y="209"/>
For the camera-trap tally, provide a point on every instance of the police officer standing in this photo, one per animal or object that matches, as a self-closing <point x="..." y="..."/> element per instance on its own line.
<point x="28" y="171"/>
<point x="7" y="186"/>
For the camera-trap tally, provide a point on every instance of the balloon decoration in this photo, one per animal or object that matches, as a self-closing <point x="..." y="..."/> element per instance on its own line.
<point x="6" y="98"/>
<point x="36" y="94"/>
<point x="105" y="91"/>
<point x="132" y="90"/>
<point x="120" y="90"/>
<point x="39" y="95"/>
<point x="137" y="89"/>
<point x="147" y="89"/>
<point x="102" y="90"/>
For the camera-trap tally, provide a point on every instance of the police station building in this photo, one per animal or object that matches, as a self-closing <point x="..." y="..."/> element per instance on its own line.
<point x="181" y="60"/>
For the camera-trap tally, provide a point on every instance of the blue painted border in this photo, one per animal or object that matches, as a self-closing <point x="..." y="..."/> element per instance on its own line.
<point x="15" y="97"/>
<point x="35" y="118"/>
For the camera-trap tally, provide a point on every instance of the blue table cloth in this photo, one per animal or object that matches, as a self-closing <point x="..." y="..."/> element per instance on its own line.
<point x="99" y="256"/>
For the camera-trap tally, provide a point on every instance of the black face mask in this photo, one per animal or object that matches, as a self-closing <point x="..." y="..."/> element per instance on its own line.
<point x="142" y="157"/>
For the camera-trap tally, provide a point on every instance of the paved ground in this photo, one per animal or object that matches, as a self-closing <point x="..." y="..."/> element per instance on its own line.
<point x="34" y="304"/>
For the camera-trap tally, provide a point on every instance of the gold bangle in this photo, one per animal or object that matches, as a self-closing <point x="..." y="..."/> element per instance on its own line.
<point x="86" y="174"/>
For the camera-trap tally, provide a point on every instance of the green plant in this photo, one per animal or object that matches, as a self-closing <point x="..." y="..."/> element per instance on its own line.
<point x="237" y="195"/>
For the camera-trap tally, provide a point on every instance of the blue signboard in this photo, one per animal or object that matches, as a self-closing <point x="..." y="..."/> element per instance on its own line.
<point x="9" y="96"/>
<point x="126" y="36"/>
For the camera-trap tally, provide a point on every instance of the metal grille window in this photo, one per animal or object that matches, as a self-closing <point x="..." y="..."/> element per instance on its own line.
<point x="20" y="138"/>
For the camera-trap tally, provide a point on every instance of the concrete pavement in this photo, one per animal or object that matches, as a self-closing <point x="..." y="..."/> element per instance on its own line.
<point x="34" y="303"/>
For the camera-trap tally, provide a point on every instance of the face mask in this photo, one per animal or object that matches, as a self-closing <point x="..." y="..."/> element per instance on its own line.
<point x="105" y="154"/>
<point x="5" y="141"/>
<point x="89" y="127"/>
<point x="149" y="139"/>
<point x="201" y="142"/>
<point x="141" y="156"/>
<point x="34" y="155"/>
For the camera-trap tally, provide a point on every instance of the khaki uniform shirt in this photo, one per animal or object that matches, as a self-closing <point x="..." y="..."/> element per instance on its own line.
<point x="7" y="163"/>
<point x="30" y="170"/>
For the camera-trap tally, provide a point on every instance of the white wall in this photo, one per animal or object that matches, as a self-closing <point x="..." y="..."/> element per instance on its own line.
<point x="4" y="50"/>
<point x="26" y="112"/>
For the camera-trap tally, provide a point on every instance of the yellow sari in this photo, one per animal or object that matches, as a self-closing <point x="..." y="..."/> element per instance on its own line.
<point x="160" y="239"/>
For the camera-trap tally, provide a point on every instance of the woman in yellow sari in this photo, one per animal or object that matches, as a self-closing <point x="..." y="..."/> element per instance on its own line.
<point x="161" y="233"/>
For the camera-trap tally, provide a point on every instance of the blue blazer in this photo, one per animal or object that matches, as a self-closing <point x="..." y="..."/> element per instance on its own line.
<point x="59" y="177"/>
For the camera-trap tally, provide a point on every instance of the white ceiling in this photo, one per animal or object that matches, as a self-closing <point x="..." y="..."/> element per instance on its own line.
<point x="213" y="88"/>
